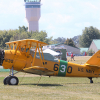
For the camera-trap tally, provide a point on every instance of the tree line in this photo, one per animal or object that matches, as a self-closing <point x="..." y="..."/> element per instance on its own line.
<point x="81" y="41"/>
<point x="84" y="40"/>
<point x="22" y="33"/>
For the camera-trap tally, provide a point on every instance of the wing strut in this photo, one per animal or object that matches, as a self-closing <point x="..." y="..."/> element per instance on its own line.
<point x="40" y="57"/>
<point x="35" y="55"/>
<point x="42" y="54"/>
<point x="37" y="48"/>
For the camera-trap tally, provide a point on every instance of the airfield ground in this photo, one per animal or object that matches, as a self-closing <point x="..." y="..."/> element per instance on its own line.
<point x="54" y="88"/>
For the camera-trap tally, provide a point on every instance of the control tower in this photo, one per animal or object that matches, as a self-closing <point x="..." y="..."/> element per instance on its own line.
<point x="32" y="9"/>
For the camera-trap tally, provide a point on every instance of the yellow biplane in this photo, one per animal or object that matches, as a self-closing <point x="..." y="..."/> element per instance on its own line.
<point x="27" y="56"/>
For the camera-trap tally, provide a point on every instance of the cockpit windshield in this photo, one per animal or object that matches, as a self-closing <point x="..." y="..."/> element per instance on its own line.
<point x="47" y="56"/>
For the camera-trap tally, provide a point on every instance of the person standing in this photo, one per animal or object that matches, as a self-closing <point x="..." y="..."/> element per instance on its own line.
<point x="72" y="57"/>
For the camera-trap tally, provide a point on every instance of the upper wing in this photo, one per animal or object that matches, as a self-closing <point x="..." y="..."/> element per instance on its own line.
<point x="38" y="70"/>
<point x="31" y="42"/>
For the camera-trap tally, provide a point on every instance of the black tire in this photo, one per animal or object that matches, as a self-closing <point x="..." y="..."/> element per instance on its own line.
<point x="13" y="80"/>
<point x="5" y="80"/>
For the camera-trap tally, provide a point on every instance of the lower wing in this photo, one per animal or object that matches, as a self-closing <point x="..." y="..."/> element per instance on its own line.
<point x="38" y="70"/>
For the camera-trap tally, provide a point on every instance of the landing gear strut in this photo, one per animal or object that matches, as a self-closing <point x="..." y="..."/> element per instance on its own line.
<point x="91" y="81"/>
<point x="11" y="79"/>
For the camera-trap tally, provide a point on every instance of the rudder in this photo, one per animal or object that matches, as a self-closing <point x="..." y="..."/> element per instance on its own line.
<point x="94" y="60"/>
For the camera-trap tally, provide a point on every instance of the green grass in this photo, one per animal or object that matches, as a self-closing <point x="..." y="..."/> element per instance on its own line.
<point x="53" y="88"/>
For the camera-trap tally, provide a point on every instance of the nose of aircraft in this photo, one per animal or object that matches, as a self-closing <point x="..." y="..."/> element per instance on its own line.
<point x="1" y="56"/>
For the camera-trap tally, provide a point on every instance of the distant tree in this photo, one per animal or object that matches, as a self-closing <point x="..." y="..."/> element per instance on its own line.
<point x="23" y="28"/>
<point x="41" y="36"/>
<point x="69" y="42"/>
<point x="89" y="33"/>
<point x="4" y="37"/>
<point x="76" y="40"/>
<point x="58" y="40"/>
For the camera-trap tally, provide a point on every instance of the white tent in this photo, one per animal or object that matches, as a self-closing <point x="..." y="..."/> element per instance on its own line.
<point x="51" y="52"/>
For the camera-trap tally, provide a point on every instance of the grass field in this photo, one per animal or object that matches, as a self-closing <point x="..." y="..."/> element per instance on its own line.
<point x="53" y="88"/>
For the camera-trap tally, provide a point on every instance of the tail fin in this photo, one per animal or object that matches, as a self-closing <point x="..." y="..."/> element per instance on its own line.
<point x="94" y="60"/>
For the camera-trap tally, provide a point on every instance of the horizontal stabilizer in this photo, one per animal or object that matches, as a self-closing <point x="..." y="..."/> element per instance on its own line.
<point x="38" y="70"/>
<point x="93" y="65"/>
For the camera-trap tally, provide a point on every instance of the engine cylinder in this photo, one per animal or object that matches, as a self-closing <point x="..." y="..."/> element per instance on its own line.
<point x="1" y="56"/>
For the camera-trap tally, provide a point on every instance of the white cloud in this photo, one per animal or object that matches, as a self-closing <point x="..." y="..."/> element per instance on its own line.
<point x="63" y="18"/>
<point x="78" y="24"/>
<point x="89" y="4"/>
<point x="11" y="7"/>
<point x="55" y="18"/>
<point x="58" y="4"/>
<point x="53" y="33"/>
<point x="86" y="24"/>
<point x="83" y="24"/>
<point x="50" y="27"/>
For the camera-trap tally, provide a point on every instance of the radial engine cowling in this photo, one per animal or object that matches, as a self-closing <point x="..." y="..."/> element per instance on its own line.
<point x="1" y="56"/>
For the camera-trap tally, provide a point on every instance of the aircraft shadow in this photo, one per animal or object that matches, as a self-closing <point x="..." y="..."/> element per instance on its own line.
<point x="50" y="85"/>
<point x="83" y="83"/>
<point x="43" y="85"/>
<point x="77" y="83"/>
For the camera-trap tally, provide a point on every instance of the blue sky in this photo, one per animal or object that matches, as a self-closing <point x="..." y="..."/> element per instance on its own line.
<point x="59" y="18"/>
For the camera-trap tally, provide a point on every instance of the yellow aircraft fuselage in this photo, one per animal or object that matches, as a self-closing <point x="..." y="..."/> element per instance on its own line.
<point x="61" y="68"/>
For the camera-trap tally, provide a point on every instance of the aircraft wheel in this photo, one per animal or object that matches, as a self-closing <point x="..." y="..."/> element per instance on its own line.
<point x="5" y="80"/>
<point x="13" y="80"/>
